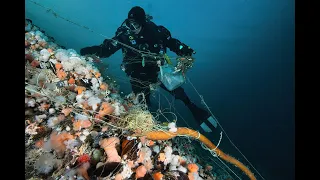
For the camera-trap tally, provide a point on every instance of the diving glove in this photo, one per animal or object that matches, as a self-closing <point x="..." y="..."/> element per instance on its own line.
<point x="187" y="51"/>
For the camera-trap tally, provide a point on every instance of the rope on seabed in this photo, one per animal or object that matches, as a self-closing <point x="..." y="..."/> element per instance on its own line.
<point x="149" y="54"/>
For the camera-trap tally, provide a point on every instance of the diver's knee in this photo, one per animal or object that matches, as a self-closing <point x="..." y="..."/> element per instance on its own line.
<point x="179" y="93"/>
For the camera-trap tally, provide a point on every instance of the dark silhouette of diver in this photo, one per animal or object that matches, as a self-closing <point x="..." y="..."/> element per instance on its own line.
<point x="141" y="33"/>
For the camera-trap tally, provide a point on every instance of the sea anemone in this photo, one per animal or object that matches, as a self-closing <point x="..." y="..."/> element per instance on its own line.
<point x="141" y="171"/>
<point x="105" y="109"/>
<point x="109" y="146"/>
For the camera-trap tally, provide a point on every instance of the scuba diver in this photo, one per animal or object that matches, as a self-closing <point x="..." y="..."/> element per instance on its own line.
<point x="138" y="34"/>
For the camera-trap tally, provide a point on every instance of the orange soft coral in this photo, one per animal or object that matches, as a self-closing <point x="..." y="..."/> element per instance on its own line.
<point x="131" y="164"/>
<point x="141" y="171"/>
<point x="57" y="141"/>
<point x="103" y="86"/>
<point x="157" y="176"/>
<point x="109" y="146"/>
<point x="71" y="81"/>
<point x="39" y="143"/>
<point x="118" y="177"/>
<point x="78" y="125"/>
<point x="80" y="89"/>
<point x="161" y="157"/>
<point x="190" y="176"/>
<point x="193" y="168"/>
<point x="97" y="74"/>
<point x="58" y="66"/>
<point x="105" y="109"/>
<point x="61" y="74"/>
<point x="150" y="143"/>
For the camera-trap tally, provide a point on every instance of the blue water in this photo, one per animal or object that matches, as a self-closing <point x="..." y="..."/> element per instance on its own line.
<point x="244" y="63"/>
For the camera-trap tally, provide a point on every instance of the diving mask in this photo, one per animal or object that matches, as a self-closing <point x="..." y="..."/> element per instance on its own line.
<point x="133" y="25"/>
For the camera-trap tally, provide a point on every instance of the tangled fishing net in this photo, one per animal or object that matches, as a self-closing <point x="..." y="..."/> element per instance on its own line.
<point x="138" y="120"/>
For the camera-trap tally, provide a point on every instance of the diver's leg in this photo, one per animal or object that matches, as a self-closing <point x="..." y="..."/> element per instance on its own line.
<point x="204" y="119"/>
<point x="178" y="93"/>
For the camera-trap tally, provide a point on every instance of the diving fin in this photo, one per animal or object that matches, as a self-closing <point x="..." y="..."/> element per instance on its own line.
<point x="204" y="118"/>
<point x="212" y="123"/>
<point x="205" y="127"/>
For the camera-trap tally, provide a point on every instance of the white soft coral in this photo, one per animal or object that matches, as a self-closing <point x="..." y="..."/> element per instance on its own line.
<point x="88" y="94"/>
<point x="71" y="143"/>
<point x="81" y="70"/>
<point x="126" y="172"/>
<point x="52" y="121"/>
<point x="46" y="163"/>
<point x="32" y="129"/>
<point x="45" y="54"/>
<point x="118" y="109"/>
<point x="145" y="157"/>
<point x="93" y="102"/>
<point x="81" y="117"/>
<point x="62" y="55"/>
<point x="72" y="63"/>
<point x="31" y="103"/>
<point x="80" y="98"/>
<point x="168" y="154"/>
<point x="174" y="162"/>
<point x="172" y="127"/>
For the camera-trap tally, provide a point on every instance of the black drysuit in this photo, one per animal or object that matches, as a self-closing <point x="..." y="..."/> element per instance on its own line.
<point x="153" y="39"/>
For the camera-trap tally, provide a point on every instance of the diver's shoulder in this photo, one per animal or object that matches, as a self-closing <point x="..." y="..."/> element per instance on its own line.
<point x="160" y="28"/>
<point x="151" y="24"/>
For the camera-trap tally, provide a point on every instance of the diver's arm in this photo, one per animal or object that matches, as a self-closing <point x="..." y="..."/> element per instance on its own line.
<point x="179" y="48"/>
<point x="107" y="48"/>
<point x="174" y="44"/>
<point x="104" y="50"/>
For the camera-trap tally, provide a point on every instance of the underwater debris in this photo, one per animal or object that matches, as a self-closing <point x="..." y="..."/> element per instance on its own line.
<point x="137" y="120"/>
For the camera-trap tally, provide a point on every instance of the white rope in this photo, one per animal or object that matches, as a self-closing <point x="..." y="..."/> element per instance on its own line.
<point x="218" y="142"/>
